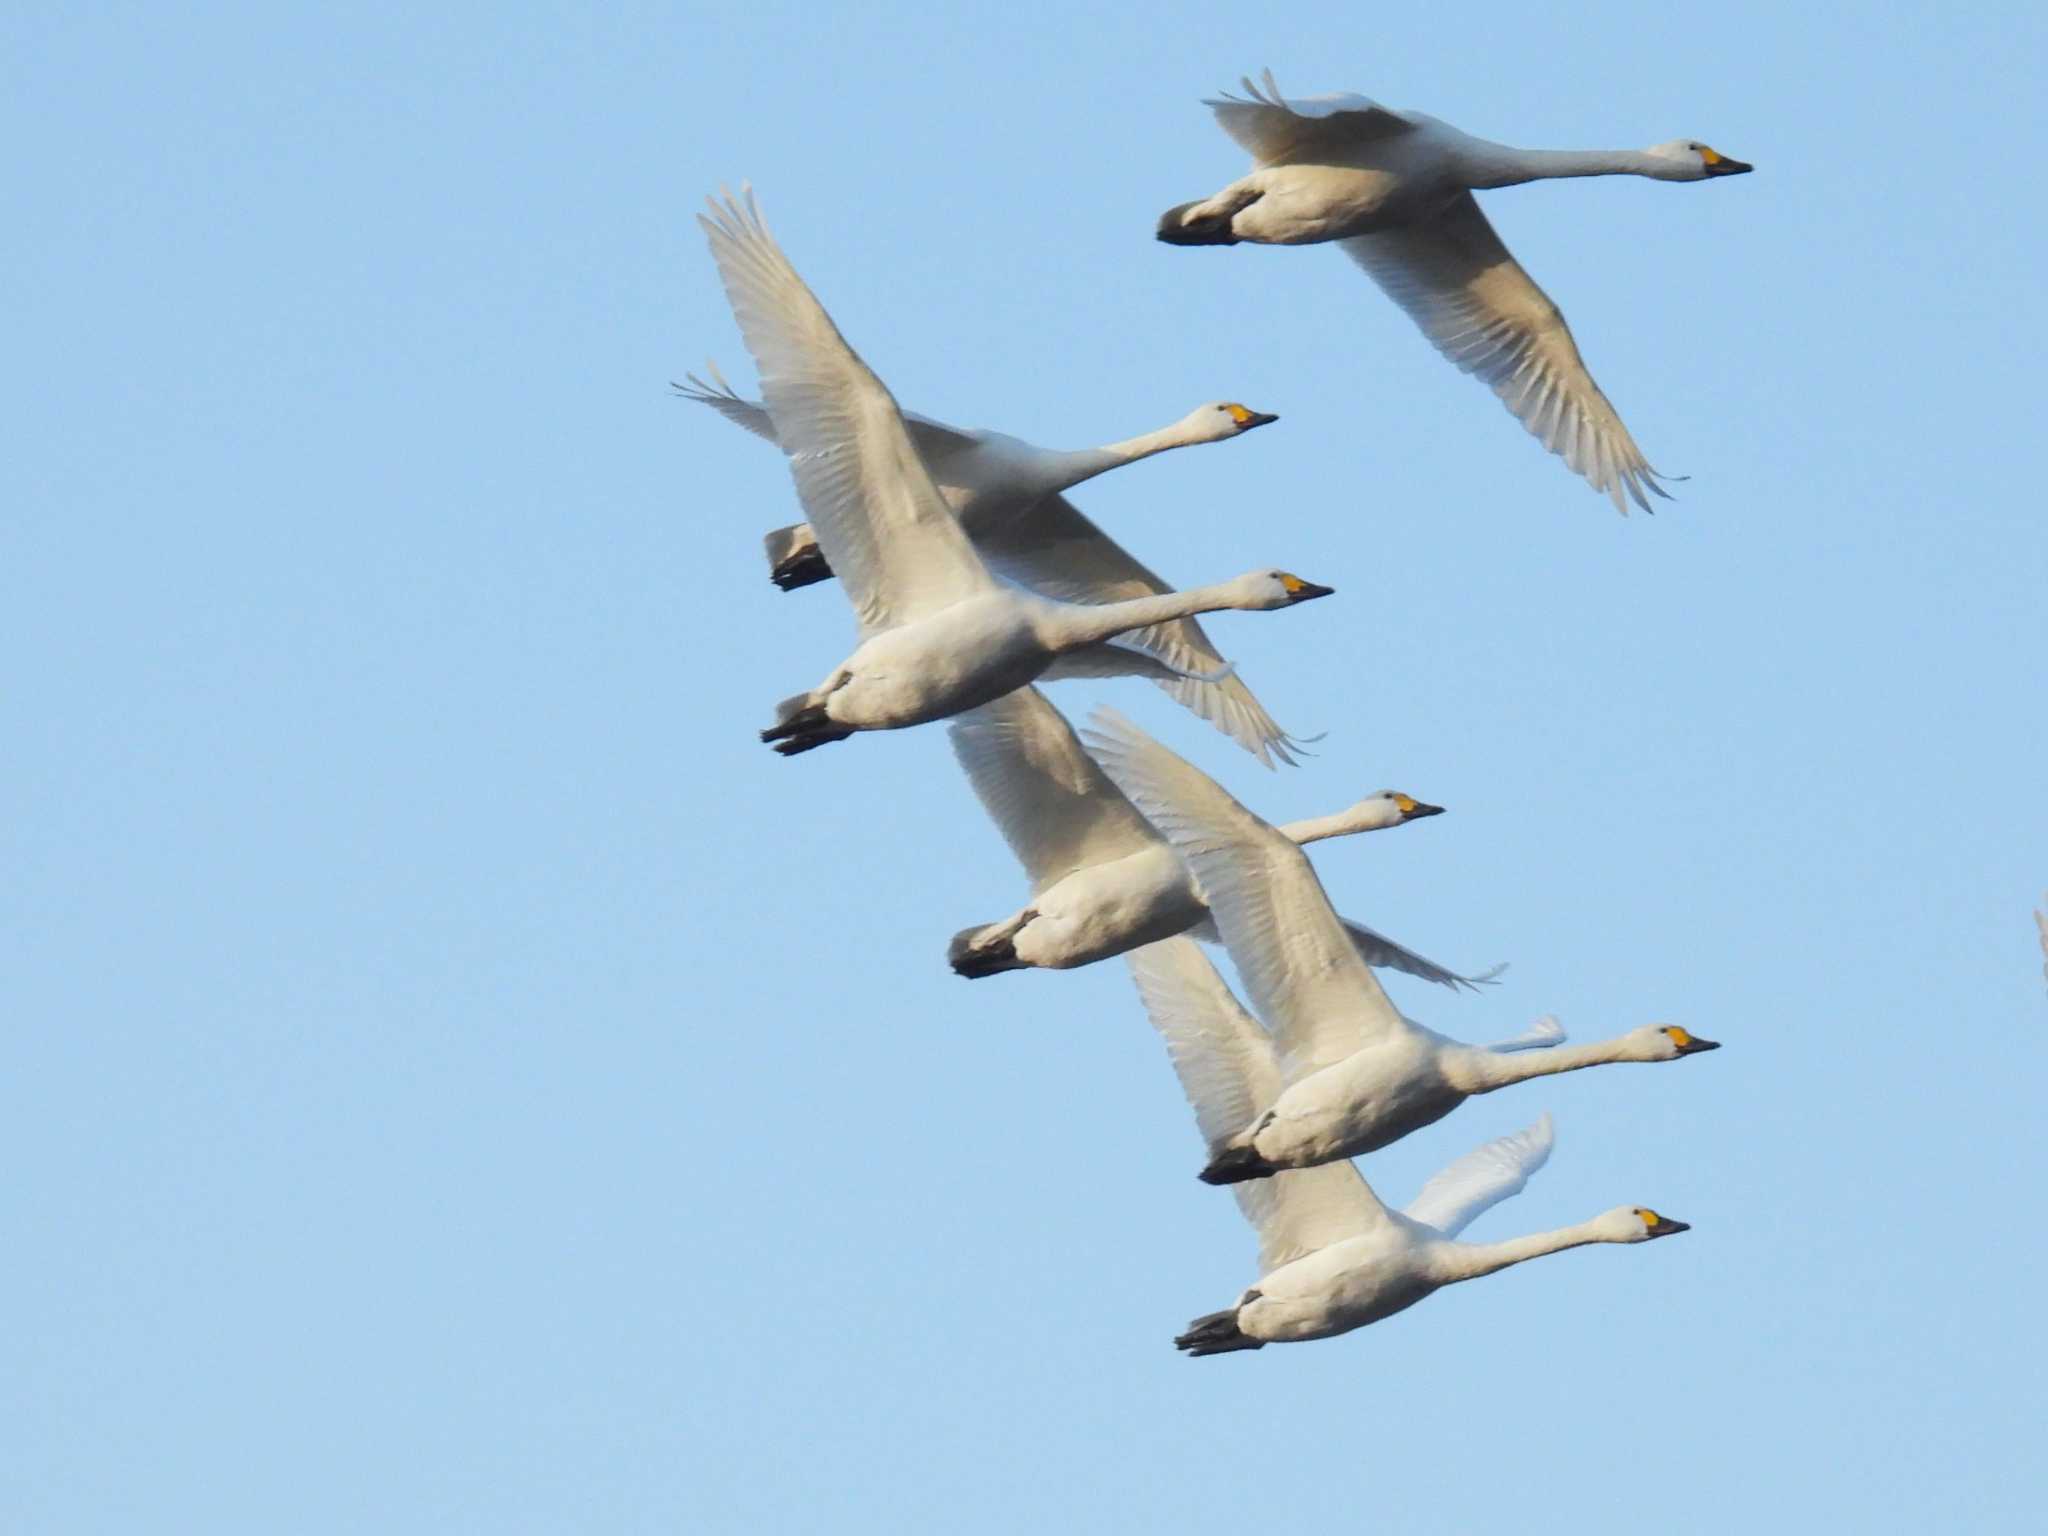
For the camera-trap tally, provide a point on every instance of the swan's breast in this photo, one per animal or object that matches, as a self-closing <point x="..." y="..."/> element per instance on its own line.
<point x="964" y="655"/>
<point x="1109" y="908"/>
<point x="1359" y="1104"/>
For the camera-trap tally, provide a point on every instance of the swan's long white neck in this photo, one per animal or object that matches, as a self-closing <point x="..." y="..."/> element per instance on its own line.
<point x="1475" y="1069"/>
<point x="1090" y="623"/>
<point x="1066" y="470"/>
<point x="1498" y="165"/>
<point x="1314" y="829"/>
<point x="1468" y="1261"/>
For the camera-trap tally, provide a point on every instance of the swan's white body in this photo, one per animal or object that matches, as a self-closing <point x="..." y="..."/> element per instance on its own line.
<point x="1006" y="494"/>
<point x="939" y="632"/>
<point x="1357" y="1075"/>
<point x="1395" y="189"/>
<point x="1102" y="880"/>
<point x="1331" y="1257"/>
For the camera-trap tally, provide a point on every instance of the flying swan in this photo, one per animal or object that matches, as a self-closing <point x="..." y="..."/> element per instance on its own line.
<point x="1006" y="494"/>
<point x="1394" y="189"/>
<point x="1357" y="1074"/>
<point x="1331" y="1257"/>
<point x="938" y="632"/>
<point x="1102" y="880"/>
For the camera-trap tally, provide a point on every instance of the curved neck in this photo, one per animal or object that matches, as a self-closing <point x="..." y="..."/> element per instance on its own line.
<point x="1478" y="1070"/>
<point x="1089" y="623"/>
<point x="1468" y="1261"/>
<point x="1501" y="166"/>
<point x="1064" y="470"/>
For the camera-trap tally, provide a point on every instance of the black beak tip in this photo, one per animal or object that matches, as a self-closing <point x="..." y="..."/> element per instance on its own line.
<point x="1310" y="590"/>
<point x="1726" y="167"/>
<point x="1425" y="810"/>
<point x="1696" y="1044"/>
<point x="1259" y="419"/>
<point x="1666" y="1227"/>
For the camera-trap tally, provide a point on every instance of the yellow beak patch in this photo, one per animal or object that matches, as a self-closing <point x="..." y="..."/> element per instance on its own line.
<point x="1711" y="156"/>
<point x="1406" y="803"/>
<point x="1238" y="414"/>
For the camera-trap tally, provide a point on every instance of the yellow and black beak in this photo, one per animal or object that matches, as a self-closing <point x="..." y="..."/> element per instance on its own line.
<point x="1692" y="1045"/>
<point x="1299" y="591"/>
<point x="1721" y="165"/>
<point x="1421" y="808"/>
<point x="1664" y="1226"/>
<point x="1247" y="419"/>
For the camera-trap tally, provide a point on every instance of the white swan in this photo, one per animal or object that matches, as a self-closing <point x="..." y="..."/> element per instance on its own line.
<point x="1358" y="1074"/>
<point x="939" y="633"/>
<point x="1395" y="190"/>
<point x="1006" y="494"/>
<point x="987" y="477"/>
<point x="1331" y="1257"/>
<point x="1102" y="880"/>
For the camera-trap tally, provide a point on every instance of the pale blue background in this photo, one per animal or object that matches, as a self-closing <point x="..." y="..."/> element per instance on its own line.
<point x="457" y="1080"/>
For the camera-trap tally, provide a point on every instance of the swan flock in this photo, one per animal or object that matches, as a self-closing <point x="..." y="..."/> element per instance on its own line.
<point x="973" y="578"/>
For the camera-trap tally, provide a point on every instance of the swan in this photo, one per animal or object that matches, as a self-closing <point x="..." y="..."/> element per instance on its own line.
<point x="1331" y="1257"/>
<point x="1102" y="880"/>
<point x="1358" y="1074"/>
<point x="986" y="477"/>
<point x="939" y="633"/>
<point x="1394" y="189"/>
<point x="1005" y="492"/>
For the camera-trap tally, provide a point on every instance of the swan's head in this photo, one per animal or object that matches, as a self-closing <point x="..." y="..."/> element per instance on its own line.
<point x="1221" y="419"/>
<point x="1690" y="160"/>
<point x="1275" y="589"/>
<point x="1665" y="1042"/>
<point x="1635" y="1224"/>
<point x="1390" y="808"/>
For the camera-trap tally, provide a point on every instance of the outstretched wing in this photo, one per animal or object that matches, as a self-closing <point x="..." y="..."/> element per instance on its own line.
<point x="1377" y="949"/>
<point x="1483" y="312"/>
<point x="1311" y="130"/>
<point x="1226" y="1066"/>
<point x="1540" y="1036"/>
<point x="934" y="439"/>
<point x="1056" y="551"/>
<point x="1481" y="1179"/>
<point x="1054" y="806"/>
<point x="879" y="520"/>
<point x="728" y="402"/>
<point x="1296" y="957"/>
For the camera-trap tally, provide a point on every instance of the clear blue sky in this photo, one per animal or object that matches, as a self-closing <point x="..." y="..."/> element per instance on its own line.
<point x="454" y="1079"/>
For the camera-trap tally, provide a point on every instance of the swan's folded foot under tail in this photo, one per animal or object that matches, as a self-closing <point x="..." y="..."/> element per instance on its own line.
<point x="794" y="559"/>
<point x="1234" y="1165"/>
<point x="1175" y="228"/>
<point x="990" y="949"/>
<point x="801" y="725"/>
<point x="1218" y="1333"/>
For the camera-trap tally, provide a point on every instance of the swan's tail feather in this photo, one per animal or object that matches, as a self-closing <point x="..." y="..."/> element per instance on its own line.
<point x="988" y="949"/>
<point x="794" y="559"/>
<point x="1209" y="229"/>
<point x="1235" y="1165"/>
<point x="1218" y="1333"/>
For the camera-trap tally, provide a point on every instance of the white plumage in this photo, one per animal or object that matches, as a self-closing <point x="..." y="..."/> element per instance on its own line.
<point x="939" y="632"/>
<point x="1102" y="880"/>
<point x="1331" y="1257"/>
<point x="1006" y="494"/>
<point x="1394" y="189"/>
<point x="1354" y="1073"/>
